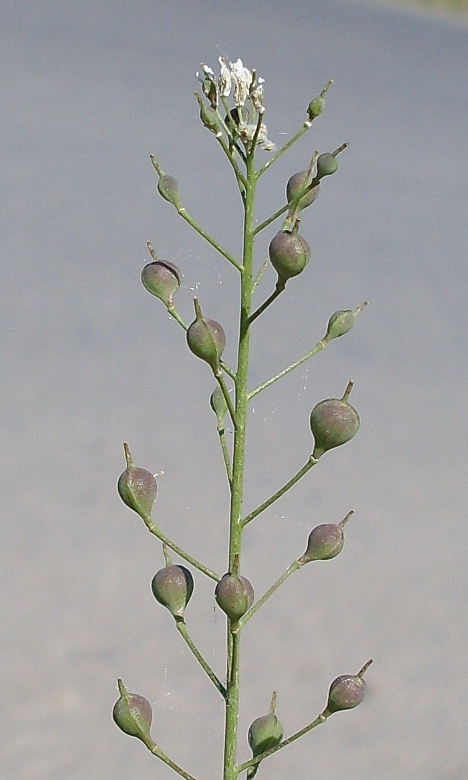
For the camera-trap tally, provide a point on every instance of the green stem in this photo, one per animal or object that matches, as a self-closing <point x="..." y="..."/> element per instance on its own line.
<point x="182" y="629"/>
<point x="253" y="761"/>
<point x="290" y="570"/>
<point x="198" y="229"/>
<point x="220" y="379"/>
<point x="283" y="149"/>
<point x="156" y="751"/>
<point x="318" y="348"/>
<point x="280" y="286"/>
<point x="271" y="219"/>
<point x="152" y="528"/>
<point x="238" y="464"/>
<point x="289" y="484"/>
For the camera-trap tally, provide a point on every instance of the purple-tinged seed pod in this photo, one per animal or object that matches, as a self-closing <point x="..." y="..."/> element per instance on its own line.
<point x="347" y="691"/>
<point x="132" y="713"/>
<point x="161" y="279"/>
<point x="206" y="338"/>
<point x="289" y="254"/>
<point x="296" y="184"/>
<point x="173" y="588"/>
<point x="234" y="594"/>
<point x="137" y="487"/>
<point x="333" y="422"/>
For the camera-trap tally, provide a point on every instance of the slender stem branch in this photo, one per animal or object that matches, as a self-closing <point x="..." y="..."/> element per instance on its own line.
<point x="226" y="149"/>
<point x="182" y="629"/>
<point x="253" y="761"/>
<point x="280" y="286"/>
<point x="198" y="229"/>
<point x="251" y="612"/>
<point x="227" y="370"/>
<point x="287" y="486"/>
<point x="271" y="219"/>
<point x="156" y="751"/>
<point x="318" y="348"/>
<point x="225" y="451"/>
<point x="220" y="379"/>
<point x="283" y="149"/>
<point x="152" y="528"/>
<point x="259" y="276"/>
<point x="175" y="314"/>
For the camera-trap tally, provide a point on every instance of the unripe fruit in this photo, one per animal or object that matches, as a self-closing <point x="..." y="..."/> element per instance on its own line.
<point x="206" y="338"/>
<point x="137" y="487"/>
<point x="133" y="715"/>
<point x="218" y="404"/>
<point x="316" y="107"/>
<point x="333" y="422"/>
<point x="340" y="323"/>
<point x="161" y="279"/>
<point x="347" y="691"/>
<point x="325" y="541"/>
<point x="234" y="595"/>
<point x="265" y="733"/>
<point x="168" y="188"/>
<point x="289" y="254"/>
<point x="296" y="184"/>
<point x="173" y="588"/>
<point x="326" y="165"/>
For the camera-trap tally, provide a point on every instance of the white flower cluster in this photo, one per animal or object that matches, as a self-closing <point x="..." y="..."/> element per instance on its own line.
<point x="244" y="85"/>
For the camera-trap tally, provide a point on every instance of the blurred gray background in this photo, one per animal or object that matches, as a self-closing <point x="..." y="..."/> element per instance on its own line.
<point x="89" y="360"/>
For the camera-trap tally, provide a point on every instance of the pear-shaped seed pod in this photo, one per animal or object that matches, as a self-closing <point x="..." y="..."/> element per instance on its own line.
<point x="168" y="188"/>
<point x="137" y="487"/>
<point x="161" y="279"/>
<point x="206" y="338"/>
<point x="296" y="184"/>
<point x="326" y="165"/>
<point x="347" y="691"/>
<point x="265" y="732"/>
<point x="132" y="713"/>
<point x="173" y="588"/>
<point x="333" y="422"/>
<point x="234" y="595"/>
<point x="325" y="541"/>
<point x="289" y="254"/>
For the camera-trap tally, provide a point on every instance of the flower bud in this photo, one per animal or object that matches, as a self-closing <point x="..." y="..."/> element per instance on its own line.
<point x="137" y="487"/>
<point x="161" y="279"/>
<point x="265" y="733"/>
<point x="133" y="715"/>
<point x="296" y="184"/>
<point x="326" y="165"/>
<point x="333" y="422"/>
<point x="347" y="691"/>
<point x="289" y="254"/>
<point x="173" y="588"/>
<point x="234" y="595"/>
<point x="206" y="338"/>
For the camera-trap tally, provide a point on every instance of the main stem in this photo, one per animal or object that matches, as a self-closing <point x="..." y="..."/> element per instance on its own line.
<point x="238" y="463"/>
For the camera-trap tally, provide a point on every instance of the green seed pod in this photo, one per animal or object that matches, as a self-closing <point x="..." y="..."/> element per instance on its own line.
<point x="234" y="595"/>
<point x="161" y="279"/>
<point x="296" y="184"/>
<point x="315" y="108"/>
<point x="265" y="732"/>
<point x="209" y="117"/>
<point x="325" y="541"/>
<point x="333" y="422"/>
<point x="206" y="338"/>
<point x="218" y="404"/>
<point x="289" y="254"/>
<point x="168" y="188"/>
<point x="326" y="165"/>
<point x="133" y="715"/>
<point x="173" y="588"/>
<point x="347" y="691"/>
<point x="340" y="323"/>
<point x="137" y="487"/>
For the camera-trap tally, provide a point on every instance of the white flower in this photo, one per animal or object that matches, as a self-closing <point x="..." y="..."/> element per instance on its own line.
<point x="225" y="80"/>
<point x="247" y="132"/>
<point x="242" y="78"/>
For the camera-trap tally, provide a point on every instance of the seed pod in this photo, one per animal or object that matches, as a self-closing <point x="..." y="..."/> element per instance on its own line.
<point x="209" y="117"/>
<point x="173" y="588"/>
<point x="333" y="422"/>
<point x="289" y="254"/>
<point x="218" y="404"/>
<point x="137" y="487"/>
<point x="325" y="541"/>
<point x="265" y="733"/>
<point x="161" y="279"/>
<point x="206" y="338"/>
<point x="296" y="184"/>
<point x="341" y="322"/>
<point x="347" y="691"/>
<point x="234" y="595"/>
<point x="133" y="715"/>
<point x="326" y="165"/>
<point x="317" y="105"/>
<point x="168" y="188"/>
